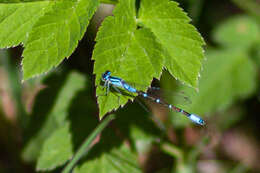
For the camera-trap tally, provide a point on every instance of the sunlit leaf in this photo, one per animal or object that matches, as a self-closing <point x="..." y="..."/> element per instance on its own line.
<point x="55" y="35"/>
<point x="17" y="20"/>
<point x="133" y="50"/>
<point x="125" y="51"/>
<point x="181" y="41"/>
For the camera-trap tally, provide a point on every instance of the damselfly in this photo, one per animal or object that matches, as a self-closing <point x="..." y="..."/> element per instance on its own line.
<point x="117" y="82"/>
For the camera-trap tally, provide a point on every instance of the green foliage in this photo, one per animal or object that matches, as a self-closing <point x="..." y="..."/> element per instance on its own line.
<point x="136" y="49"/>
<point x="112" y="156"/>
<point x="181" y="41"/>
<point x="229" y="74"/>
<point x="136" y="44"/>
<point x="130" y="44"/>
<point x="111" y="153"/>
<point x="13" y="31"/>
<point x="238" y="32"/>
<point x="47" y="120"/>
<point x="56" y="35"/>
<point x="56" y="150"/>
<point x="117" y="160"/>
<point x="49" y="36"/>
<point x="120" y="159"/>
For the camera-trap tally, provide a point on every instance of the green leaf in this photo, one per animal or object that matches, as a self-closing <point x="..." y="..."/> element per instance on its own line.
<point x="181" y="41"/>
<point x="110" y="155"/>
<point x="55" y="35"/>
<point x="228" y="75"/>
<point x="50" y="111"/>
<point x="136" y="50"/>
<point x="117" y="161"/>
<point x="237" y="32"/>
<point x="33" y="145"/>
<point x="125" y="51"/>
<point x="87" y="145"/>
<point x="56" y="149"/>
<point x="17" y="20"/>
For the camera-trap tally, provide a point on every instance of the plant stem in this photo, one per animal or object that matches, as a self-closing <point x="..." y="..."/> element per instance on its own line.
<point x="86" y="146"/>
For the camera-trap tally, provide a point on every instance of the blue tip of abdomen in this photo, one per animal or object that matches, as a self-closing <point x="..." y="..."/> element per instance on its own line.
<point x="196" y="119"/>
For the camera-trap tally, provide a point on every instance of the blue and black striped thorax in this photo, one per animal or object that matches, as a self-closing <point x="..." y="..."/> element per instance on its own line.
<point x="118" y="82"/>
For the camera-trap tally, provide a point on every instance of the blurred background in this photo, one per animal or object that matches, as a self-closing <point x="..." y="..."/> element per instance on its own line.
<point x="228" y="98"/>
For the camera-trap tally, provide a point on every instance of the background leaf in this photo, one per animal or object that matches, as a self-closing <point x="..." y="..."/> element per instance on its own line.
<point x="56" y="149"/>
<point x="233" y="74"/>
<point x="140" y="128"/>
<point x="46" y="118"/>
<point x="228" y="75"/>
<point x="110" y="155"/>
<point x="237" y="32"/>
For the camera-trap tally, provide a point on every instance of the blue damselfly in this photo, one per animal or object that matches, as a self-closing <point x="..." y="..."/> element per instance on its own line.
<point x="117" y="82"/>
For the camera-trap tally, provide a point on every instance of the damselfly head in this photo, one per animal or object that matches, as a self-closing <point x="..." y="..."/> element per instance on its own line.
<point x="106" y="75"/>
